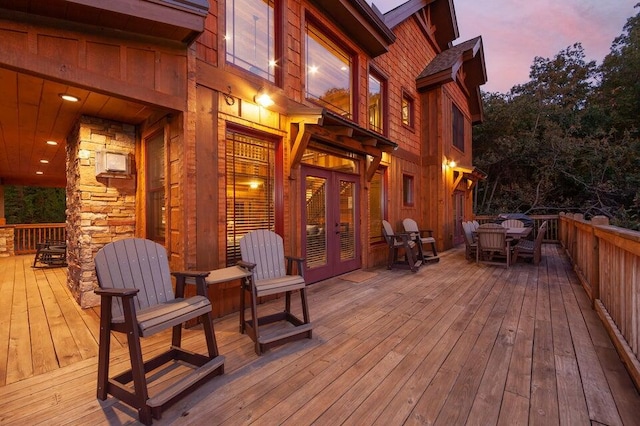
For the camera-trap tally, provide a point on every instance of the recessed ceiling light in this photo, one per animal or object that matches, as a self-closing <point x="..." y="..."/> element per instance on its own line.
<point x="69" y="98"/>
<point x="52" y="143"/>
<point x="44" y="161"/>
<point x="39" y="173"/>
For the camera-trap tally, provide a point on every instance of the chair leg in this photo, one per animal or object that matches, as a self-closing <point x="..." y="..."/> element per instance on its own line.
<point x="305" y="309"/>
<point x="137" y="365"/>
<point x="393" y="254"/>
<point x="244" y="284"/>
<point x="254" y="320"/>
<point x="210" y="335"/>
<point x="103" y="349"/>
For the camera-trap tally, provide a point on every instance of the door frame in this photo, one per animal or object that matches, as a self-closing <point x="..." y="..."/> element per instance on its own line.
<point x="333" y="265"/>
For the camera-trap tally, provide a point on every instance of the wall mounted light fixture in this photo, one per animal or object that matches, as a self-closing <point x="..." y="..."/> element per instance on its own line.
<point x="263" y="99"/>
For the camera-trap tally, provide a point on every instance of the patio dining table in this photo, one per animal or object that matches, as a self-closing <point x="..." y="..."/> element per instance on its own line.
<point x="518" y="233"/>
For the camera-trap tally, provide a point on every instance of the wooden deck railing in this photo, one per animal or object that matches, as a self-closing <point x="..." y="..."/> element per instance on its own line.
<point x="26" y="237"/>
<point x="607" y="262"/>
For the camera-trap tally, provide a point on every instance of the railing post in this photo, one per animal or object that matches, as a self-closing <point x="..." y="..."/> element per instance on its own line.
<point x="595" y="264"/>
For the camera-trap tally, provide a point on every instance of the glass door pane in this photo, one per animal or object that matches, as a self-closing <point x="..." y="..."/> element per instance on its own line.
<point x="347" y="220"/>
<point x="316" y="209"/>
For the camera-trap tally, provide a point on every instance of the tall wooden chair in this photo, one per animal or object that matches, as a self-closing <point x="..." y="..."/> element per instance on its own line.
<point x="424" y="237"/>
<point x="262" y="253"/>
<point x="528" y="249"/>
<point x="492" y="244"/>
<point x="398" y="243"/>
<point x="137" y="299"/>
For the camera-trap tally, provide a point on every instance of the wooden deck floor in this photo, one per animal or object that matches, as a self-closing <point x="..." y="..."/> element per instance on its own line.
<point x="454" y="343"/>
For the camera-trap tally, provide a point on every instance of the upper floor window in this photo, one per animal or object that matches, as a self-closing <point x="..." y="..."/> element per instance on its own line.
<point x="251" y="36"/>
<point x="377" y="94"/>
<point x="328" y="72"/>
<point x="407" y="110"/>
<point x="458" y="128"/>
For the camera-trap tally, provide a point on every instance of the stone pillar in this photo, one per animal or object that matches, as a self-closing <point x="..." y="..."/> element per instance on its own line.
<point x="99" y="209"/>
<point x="6" y="241"/>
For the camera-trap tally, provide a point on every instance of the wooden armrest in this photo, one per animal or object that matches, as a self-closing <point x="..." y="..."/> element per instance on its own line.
<point x="299" y="261"/>
<point x="246" y="265"/>
<point x="402" y="236"/>
<point x="116" y="292"/>
<point x="191" y="274"/>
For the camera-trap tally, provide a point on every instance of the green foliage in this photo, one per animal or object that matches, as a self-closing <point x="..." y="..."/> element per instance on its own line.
<point x="27" y="204"/>
<point x="568" y="139"/>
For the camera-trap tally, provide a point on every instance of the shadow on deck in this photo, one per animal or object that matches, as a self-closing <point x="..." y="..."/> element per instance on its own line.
<point x="454" y="343"/>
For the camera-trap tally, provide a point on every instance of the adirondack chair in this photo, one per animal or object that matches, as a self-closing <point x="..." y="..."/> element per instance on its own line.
<point x="50" y="254"/>
<point x="528" y="249"/>
<point x="422" y="236"/>
<point x="262" y="253"/>
<point x="492" y="244"/>
<point x="137" y="299"/>
<point x="397" y="243"/>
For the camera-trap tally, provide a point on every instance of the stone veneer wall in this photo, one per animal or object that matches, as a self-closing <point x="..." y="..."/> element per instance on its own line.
<point x="99" y="209"/>
<point x="6" y="241"/>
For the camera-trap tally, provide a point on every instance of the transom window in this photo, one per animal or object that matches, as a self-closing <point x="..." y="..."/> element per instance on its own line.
<point x="251" y="188"/>
<point x="377" y="89"/>
<point x="328" y="72"/>
<point x="251" y="36"/>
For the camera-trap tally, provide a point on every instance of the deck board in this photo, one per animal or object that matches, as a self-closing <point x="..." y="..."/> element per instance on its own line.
<point x="454" y="343"/>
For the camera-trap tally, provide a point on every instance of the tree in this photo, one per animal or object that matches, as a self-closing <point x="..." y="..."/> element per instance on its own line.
<point x="28" y="204"/>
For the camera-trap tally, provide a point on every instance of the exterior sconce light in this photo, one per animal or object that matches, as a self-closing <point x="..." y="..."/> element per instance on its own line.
<point x="452" y="163"/>
<point x="228" y="98"/>
<point x="263" y="99"/>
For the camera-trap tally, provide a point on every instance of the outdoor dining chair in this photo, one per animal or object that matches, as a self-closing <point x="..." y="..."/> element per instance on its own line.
<point x="512" y="223"/>
<point x="528" y="249"/>
<point x="262" y="253"/>
<point x="492" y="244"/>
<point x="137" y="299"/>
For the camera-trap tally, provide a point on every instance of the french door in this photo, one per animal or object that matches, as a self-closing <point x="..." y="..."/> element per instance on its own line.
<point x="331" y="225"/>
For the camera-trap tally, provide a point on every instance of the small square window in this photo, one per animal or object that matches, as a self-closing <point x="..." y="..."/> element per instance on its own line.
<point x="408" y="197"/>
<point x="407" y="110"/>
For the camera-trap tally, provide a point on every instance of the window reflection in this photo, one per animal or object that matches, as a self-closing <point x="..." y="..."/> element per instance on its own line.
<point x="375" y="104"/>
<point x="250" y="37"/>
<point x="328" y="72"/>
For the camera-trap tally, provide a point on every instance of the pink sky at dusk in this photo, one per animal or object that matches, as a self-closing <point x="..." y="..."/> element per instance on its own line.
<point x="515" y="31"/>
